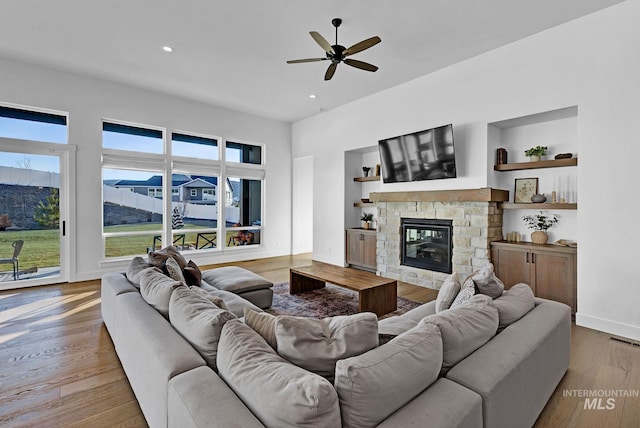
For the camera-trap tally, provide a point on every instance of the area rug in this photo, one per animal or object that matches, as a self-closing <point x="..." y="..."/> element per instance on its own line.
<point x="325" y="302"/>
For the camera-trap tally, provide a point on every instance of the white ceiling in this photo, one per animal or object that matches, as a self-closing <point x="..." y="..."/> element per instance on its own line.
<point x="233" y="53"/>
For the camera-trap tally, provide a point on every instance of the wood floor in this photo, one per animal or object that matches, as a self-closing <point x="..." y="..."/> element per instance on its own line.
<point x="58" y="367"/>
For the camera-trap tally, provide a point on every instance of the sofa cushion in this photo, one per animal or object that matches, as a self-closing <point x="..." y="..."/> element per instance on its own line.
<point x="487" y="282"/>
<point x="264" y="324"/>
<point x="278" y="393"/>
<point x="157" y="258"/>
<point x="216" y="300"/>
<point x="448" y="292"/>
<point x="199" y="321"/>
<point x="514" y="304"/>
<point x="235" y="279"/>
<point x="467" y="291"/>
<point x="375" y="384"/>
<point x="172" y="269"/>
<point x="135" y="268"/>
<point x="465" y="328"/>
<point x="235" y="303"/>
<point x="316" y="344"/>
<point x="192" y="274"/>
<point x="396" y="325"/>
<point x="156" y="289"/>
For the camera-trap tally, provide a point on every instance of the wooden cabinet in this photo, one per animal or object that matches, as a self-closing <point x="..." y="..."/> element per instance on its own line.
<point x="361" y="248"/>
<point x="549" y="270"/>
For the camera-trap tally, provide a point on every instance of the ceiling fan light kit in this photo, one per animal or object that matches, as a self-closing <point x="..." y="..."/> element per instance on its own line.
<point x="338" y="53"/>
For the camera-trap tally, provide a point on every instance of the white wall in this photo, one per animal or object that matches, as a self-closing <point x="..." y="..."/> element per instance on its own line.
<point x="88" y="101"/>
<point x="591" y="62"/>
<point x="302" y="216"/>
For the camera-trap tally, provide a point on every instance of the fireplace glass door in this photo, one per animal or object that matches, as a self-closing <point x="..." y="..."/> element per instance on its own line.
<point x="427" y="244"/>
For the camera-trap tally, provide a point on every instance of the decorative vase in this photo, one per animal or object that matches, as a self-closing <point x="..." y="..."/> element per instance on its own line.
<point x="538" y="198"/>
<point x="539" y="237"/>
<point x="366" y="225"/>
<point x="535" y="158"/>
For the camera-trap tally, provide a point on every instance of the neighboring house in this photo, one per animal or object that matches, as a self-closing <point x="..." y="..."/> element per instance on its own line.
<point x="195" y="189"/>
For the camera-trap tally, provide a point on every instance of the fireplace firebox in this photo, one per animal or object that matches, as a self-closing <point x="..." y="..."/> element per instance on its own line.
<point x="427" y="244"/>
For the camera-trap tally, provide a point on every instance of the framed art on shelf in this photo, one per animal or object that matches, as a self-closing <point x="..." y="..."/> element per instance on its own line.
<point x="525" y="188"/>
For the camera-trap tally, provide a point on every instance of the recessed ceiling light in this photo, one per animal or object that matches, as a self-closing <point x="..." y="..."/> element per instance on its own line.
<point x="167" y="48"/>
<point x="312" y="96"/>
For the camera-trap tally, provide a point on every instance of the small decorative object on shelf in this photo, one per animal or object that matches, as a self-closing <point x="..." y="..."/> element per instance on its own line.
<point x="540" y="223"/>
<point x="536" y="153"/>
<point x="365" y="170"/>
<point x="377" y="170"/>
<point x="563" y="156"/>
<point x="367" y="218"/>
<point x="538" y="198"/>
<point x="365" y="200"/>
<point x="501" y="156"/>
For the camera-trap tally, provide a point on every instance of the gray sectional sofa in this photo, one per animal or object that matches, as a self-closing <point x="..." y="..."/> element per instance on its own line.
<point x="506" y="382"/>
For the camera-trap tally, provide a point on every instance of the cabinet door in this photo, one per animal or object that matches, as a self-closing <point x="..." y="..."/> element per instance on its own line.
<point x="512" y="266"/>
<point x="369" y="243"/>
<point x="555" y="277"/>
<point x="354" y="248"/>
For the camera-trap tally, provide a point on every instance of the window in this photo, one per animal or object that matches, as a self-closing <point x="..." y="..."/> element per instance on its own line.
<point x="32" y="125"/>
<point x="126" y="137"/>
<point x="137" y="216"/>
<point x="155" y="192"/>
<point x="244" y="211"/>
<point x="194" y="147"/>
<point x="243" y="153"/>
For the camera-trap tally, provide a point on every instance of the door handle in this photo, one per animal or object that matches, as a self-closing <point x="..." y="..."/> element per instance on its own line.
<point x="526" y="259"/>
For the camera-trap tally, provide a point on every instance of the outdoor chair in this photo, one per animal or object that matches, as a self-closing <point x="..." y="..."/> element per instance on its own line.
<point x="17" y="247"/>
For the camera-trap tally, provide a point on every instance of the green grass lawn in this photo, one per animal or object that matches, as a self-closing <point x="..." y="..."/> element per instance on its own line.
<point x="42" y="247"/>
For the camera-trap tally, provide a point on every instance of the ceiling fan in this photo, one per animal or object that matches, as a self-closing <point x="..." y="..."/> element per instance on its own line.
<point x="338" y="53"/>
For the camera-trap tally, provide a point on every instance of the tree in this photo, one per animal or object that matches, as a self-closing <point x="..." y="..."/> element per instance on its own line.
<point x="47" y="212"/>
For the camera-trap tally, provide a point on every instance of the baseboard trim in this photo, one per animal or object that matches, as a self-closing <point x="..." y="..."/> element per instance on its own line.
<point x="612" y="327"/>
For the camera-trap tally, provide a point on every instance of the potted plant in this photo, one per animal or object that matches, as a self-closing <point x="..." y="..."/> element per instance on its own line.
<point x="367" y="218"/>
<point x="535" y="153"/>
<point x="540" y="223"/>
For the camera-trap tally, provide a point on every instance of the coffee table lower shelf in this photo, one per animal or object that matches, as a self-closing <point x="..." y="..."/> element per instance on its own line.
<point x="375" y="294"/>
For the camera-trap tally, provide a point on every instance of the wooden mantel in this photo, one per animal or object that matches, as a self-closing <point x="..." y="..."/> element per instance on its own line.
<point x="486" y="194"/>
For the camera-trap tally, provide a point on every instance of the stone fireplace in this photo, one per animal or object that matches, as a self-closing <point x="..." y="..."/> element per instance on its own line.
<point x="475" y="218"/>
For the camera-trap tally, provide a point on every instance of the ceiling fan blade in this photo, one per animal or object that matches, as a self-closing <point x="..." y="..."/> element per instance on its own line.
<point x="360" y="64"/>
<point x="330" y="71"/>
<point x="296" y="61"/>
<point x="360" y="46"/>
<point x="322" y="42"/>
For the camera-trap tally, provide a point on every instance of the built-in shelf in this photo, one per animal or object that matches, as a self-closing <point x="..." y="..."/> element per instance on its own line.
<point x="542" y="206"/>
<point x="553" y="163"/>
<point x="371" y="178"/>
<point x="363" y="204"/>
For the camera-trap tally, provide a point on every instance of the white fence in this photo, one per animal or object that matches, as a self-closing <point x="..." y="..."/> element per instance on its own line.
<point x="127" y="198"/>
<point x="28" y="177"/>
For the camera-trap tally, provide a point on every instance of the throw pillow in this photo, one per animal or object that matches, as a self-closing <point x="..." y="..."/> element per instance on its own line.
<point x="172" y="269"/>
<point x="316" y="344"/>
<point x="192" y="274"/>
<point x="514" y="304"/>
<point x="216" y="300"/>
<point x="448" y="292"/>
<point x="279" y="393"/>
<point x="487" y="282"/>
<point x="375" y="384"/>
<point x="467" y="290"/>
<point x="135" y="268"/>
<point x="465" y="328"/>
<point x="156" y="289"/>
<point x="157" y="258"/>
<point x="264" y="324"/>
<point x="199" y="321"/>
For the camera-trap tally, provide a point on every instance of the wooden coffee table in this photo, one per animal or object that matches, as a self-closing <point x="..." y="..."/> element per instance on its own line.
<point x="375" y="293"/>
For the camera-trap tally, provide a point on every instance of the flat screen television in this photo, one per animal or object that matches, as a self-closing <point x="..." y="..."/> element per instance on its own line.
<point x="423" y="155"/>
